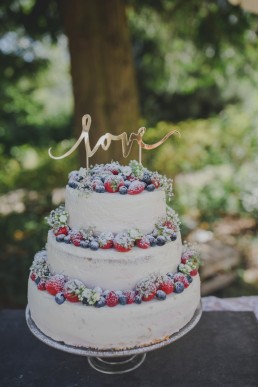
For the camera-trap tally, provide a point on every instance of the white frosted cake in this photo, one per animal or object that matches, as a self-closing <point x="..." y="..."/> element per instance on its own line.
<point x="114" y="274"/>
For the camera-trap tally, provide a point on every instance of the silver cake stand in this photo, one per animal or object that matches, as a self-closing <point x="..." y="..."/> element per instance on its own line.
<point x="113" y="361"/>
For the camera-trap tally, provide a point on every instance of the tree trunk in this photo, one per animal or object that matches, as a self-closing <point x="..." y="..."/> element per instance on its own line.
<point x="102" y="71"/>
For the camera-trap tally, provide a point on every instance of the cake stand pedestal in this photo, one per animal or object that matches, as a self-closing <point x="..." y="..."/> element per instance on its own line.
<point x="113" y="361"/>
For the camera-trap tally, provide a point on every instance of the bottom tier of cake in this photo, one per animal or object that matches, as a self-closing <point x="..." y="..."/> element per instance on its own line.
<point x="106" y="328"/>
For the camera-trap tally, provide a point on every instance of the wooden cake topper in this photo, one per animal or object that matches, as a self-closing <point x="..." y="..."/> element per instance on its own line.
<point x="105" y="141"/>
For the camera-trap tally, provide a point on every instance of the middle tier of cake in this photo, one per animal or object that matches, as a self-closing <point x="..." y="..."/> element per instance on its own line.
<point x="111" y="269"/>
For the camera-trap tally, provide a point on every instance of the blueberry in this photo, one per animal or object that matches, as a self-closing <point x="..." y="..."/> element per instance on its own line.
<point x="138" y="299"/>
<point x="59" y="298"/>
<point x="127" y="183"/>
<point x="67" y="239"/>
<point x="173" y="236"/>
<point x="123" y="190"/>
<point x="189" y="278"/>
<point x="152" y="240"/>
<point x="146" y="178"/>
<point x="37" y="280"/>
<point x="160" y="295"/>
<point x="179" y="287"/>
<point x="84" y="244"/>
<point x="122" y="299"/>
<point x="72" y="184"/>
<point x="150" y="187"/>
<point x="161" y="240"/>
<point x="100" y="189"/>
<point x="85" y="301"/>
<point x="94" y="245"/>
<point x="60" y="238"/>
<point x="170" y="275"/>
<point x="101" y="302"/>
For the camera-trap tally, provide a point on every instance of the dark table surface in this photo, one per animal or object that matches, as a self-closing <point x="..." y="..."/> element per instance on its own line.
<point x="222" y="350"/>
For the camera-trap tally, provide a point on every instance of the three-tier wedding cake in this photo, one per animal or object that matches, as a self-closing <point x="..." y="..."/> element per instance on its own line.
<point x="114" y="274"/>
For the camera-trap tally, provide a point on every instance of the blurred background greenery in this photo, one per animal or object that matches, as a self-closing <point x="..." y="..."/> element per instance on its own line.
<point x="195" y="66"/>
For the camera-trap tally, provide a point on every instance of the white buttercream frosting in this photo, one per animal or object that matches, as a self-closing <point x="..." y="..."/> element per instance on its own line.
<point x="111" y="269"/>
<point x="119" y="327"/>
<point x="114" y="212"/>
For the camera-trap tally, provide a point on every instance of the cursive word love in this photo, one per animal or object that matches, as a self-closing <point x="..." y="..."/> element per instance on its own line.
<point x="105" y="141"/>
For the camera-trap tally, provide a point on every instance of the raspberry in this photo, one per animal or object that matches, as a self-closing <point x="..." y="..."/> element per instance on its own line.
<point x="143" y="243"/>
<point x="111" y="299"/>
<point x="130" y="295"/>
<point x="42" y="284"/>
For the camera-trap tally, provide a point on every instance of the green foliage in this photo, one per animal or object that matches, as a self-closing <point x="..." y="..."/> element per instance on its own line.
<point x="191" y="66"/>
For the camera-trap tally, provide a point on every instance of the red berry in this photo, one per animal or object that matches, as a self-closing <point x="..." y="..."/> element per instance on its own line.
<point x="185" y="257"/>
<point x="111" y="299"/>
<point x="107" y="245"/>
<point x="55" y="284"/>
<point x="149" y="297"/>
<point x="136" y="187"/>
<point x="178" y="277"/>
<point x="169" y="225"/>
<point x="76" y="242"/>
<point x="76" y="236"/>
<point x="62" y="230"/>
<point x="33" y="276"/>
<point x="42" y="284"/>
<point x="185" y="282"/>
<point x="122" y="249"/>
<point x="143" y="243"/>
<point x="167" y="287"/>
<point x="130" y="295"/>
<point x="194" y="272"/>
<point x="155" y="181"/>
<point x="71" y="297"/>
<point x="113" y="183"/>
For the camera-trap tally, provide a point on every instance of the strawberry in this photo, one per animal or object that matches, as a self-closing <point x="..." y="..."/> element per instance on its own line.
<point x="106" y="240"/>
<point x="123" y="242"/>
<point x="167" y="286"/>
<point x="107" y="245"/>
<point x="42" y="284"/>
<point x="136" y="187"/>
<point x="33" y="276"/>
<point x="70" y="290"/>
<point x="149" y="296"/>
<point x="143" y="243"/>
<point x="111" y="299"/>
<point x="55" y="284"/>
<point x="120" y="248"/>
<point x="62" y="230"/>
<point x="71" y="297"/>
<point x="130" y="296"/>
<point x="113" y="183"/>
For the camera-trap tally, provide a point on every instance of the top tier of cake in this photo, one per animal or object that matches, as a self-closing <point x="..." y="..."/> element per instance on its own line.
<point x="115" y="198"/>
<point x="116" y="213"/>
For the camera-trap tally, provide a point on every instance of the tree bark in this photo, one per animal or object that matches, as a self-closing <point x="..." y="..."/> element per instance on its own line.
<point x="102" y="71"/>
